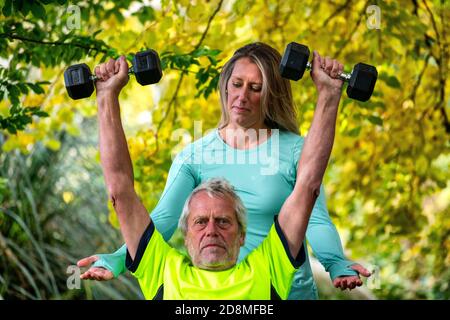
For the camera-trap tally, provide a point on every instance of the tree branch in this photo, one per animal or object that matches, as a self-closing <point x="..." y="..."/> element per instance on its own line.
<point x="49" y="43"/>
<point x="208" y="25"/>
<point x="336" y="12"/>
<point x="441" y="62"/>
<point x="175" y="94"/>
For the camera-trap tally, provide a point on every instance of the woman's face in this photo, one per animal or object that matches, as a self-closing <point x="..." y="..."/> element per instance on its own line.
<point x="244" y="95"/>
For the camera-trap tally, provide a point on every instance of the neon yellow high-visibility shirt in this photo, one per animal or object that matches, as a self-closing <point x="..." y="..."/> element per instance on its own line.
<point x="163" y="272"/>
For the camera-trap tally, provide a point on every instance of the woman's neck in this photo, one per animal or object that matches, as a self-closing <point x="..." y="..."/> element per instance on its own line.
<point x="244" y="138"/>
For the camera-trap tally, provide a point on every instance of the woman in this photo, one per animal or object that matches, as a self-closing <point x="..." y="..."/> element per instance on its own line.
<point x="258" y="117"/>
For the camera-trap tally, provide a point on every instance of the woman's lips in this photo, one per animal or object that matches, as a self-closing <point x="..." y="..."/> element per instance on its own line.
<point x="240" y="109"/>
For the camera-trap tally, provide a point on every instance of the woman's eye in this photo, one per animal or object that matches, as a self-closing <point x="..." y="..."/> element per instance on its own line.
<point x="256" y="89"/>
<point x="236" y="84"/>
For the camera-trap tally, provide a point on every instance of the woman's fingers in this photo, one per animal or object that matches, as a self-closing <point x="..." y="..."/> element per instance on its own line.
<point x="86" y="262"/>
<point x="361" y="270"/>
<point x="99" y="274"/>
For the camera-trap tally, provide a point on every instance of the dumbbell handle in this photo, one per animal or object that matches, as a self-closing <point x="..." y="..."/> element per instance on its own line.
<point x="343" y="75"/>
<point x="93" y="77"/>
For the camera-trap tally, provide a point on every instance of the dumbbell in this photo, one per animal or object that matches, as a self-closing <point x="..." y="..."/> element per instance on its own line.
<point x="79" y="80"/>
<point x="361" y="81"/>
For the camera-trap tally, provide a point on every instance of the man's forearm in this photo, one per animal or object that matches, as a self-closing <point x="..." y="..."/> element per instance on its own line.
<point x="318" y="144"/>
<point x="114" y="155"/>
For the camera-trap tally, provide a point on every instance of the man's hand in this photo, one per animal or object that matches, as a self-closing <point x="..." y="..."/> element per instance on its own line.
<point x="350" y="282"/>
<point x="325" y="74"/>
<point x="95" y="273"/>
<point x="112" y="76"/>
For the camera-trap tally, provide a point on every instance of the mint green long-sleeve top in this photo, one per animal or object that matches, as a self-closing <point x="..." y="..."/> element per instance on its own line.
<point x="263" y="177"/>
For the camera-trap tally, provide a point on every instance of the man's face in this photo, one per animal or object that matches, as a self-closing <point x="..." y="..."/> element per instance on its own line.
<point x="213" y="237"/>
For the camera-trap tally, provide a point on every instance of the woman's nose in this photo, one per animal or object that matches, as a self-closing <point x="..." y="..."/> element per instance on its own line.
<point x="243" y="94"/>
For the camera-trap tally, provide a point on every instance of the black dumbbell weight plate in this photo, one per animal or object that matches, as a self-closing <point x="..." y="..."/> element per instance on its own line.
<point x="77" y="79"/>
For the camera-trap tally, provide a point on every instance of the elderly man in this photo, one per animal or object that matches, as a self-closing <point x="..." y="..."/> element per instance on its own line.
<point x="213" y="223"/>
<point x="213" y="219"/>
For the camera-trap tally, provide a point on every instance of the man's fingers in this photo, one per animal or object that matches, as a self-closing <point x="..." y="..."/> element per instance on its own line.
<point x="361" y="270"/>
<point x="328" y="64"/>
<point x="117" y="65"/>
<point x="334" y="69"/>
<point x="103" y="72"/>
<point x="123" y="65"/>
<point x="317" y="60"/>
<point x="110" y="67"/>
<point x="98" y="72"/>
<point x="86" y="262"/>
<point x="341" y="68"/>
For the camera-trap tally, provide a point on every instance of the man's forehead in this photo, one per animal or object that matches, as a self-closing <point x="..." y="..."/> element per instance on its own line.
<point x="204" y="204"/>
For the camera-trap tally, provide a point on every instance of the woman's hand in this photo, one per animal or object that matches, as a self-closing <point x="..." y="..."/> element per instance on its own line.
<point x="94" y="273"/>
<point x="112" y="76"/>
<point x="325" y="75"/>
<point x="350" y="282"/>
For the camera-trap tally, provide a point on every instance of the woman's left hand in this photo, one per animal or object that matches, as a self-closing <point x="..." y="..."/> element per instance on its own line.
<point x="350" y="282"/>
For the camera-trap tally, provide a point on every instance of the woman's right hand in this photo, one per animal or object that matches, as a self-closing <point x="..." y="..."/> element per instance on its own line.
<point x="94" y="273"/>
<point x="112" y="76"/>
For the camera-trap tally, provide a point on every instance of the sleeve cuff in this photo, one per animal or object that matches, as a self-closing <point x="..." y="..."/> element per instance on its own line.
<point x="114" y="262"/>
<point x="341" y="269"/>
<point x="301" y="255"/>
<point x="131" y="264"/>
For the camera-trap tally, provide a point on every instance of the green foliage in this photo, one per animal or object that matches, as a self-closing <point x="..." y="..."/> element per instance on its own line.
<point x="44" y="219"/>
<point x="207" y="76"/>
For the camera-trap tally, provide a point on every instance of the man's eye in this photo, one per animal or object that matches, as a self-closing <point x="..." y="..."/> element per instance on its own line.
<point x="200" y="222"/>
<point x="223" y="221"/>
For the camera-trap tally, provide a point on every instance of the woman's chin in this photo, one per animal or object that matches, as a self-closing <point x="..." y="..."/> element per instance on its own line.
<point x="242" y="121"/>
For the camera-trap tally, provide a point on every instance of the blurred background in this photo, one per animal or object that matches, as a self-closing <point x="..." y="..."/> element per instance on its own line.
<point x="387" y="184"/>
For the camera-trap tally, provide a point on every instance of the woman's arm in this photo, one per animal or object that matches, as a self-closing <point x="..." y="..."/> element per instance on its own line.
<point x="322" y="234"/>
<point x="325" y="241"/>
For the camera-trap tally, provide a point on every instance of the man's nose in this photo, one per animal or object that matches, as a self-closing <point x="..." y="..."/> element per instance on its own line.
<point x="211" y="229"/>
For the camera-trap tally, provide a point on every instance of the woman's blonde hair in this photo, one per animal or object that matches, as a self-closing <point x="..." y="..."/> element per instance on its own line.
<point x="277" y="105"/>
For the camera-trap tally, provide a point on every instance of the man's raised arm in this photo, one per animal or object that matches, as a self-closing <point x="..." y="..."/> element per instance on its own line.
<point x="114" y="154"/>
<point x="296" y="210"/>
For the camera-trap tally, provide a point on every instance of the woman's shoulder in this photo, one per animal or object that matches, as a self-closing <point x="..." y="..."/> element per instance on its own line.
<point x="202" y="142"/>
<point x="290" y="139"/>
<point x="197" y="146"/>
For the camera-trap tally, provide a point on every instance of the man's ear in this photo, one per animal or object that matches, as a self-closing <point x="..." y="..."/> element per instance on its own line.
<point x="185" y="241"/>
<point x="242" y="239"/>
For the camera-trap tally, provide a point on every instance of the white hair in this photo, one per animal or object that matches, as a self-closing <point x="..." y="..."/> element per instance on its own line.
<point x="216" y="187"/>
